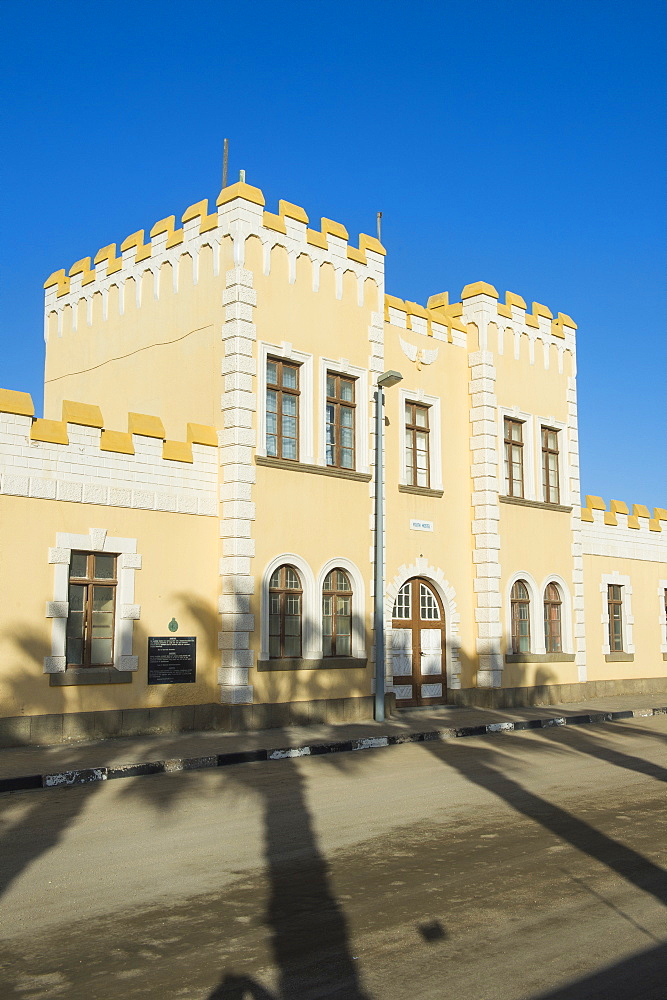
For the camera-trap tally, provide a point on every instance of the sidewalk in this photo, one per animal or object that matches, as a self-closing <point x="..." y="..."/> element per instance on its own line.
<point x="78" y="763"/>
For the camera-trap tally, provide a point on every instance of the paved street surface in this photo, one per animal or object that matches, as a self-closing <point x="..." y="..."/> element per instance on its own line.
<point x="521" y="866"/>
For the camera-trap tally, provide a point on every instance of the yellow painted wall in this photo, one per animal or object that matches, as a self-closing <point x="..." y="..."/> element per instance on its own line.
<point x="162" y="357"/>
<point x="178" y="579"/>
<point x="646" y="607"/>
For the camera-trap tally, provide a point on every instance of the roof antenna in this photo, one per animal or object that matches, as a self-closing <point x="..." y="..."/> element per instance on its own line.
<point x="242" y="176"/>
<point x="225" y="160"/>
<point x="379" y="225"/>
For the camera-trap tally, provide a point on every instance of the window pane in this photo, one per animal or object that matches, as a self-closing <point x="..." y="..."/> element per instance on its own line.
<point x="105" y="567"/>
<point x="275" y="580"/>
<point x="74" y="651"/>
<point x="346" y="437"/>
<point x="78" y="565"/>
<point x="343" y="645"/>
<point x="103" y="598"/>
<point x="75" y="625"/>
<point x="292" y="625"/>
<point x="328" y="582"/>
<point x="274" y="646"/>
<point x="342" y="580"/>
<point x="292" y="645"/>
<point x="331" y="385"/>
<point x="289" y="377"/>
<point x="76" y="597"/>
<point x="289" y="449"/>
<point x="327" y="625"/>
<point x="346" y="417"/>
<point x="292" y="604"/>
<point x="347" y="391"/>
<point x="272" y="372"/>
<point x="271" y="401"/>
<point x="327" y="648"/>
<point x="100" y="651"/>
<point x="346" y="459"/>
<point x="291" y="579"/>
<point x="274" y="624"/>
<point x="289" y="404"/>
<point x="421" y="416"/>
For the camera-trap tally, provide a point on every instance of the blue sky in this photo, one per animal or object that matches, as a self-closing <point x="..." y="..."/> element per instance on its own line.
<point x="520" y="142"/>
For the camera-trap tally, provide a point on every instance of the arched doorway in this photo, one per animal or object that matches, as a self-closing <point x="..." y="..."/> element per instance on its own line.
<point x="418" y="645"/>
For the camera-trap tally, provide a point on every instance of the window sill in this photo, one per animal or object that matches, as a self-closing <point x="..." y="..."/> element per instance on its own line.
<point x="421" y="491"/>
<point x="325" y="663"/>
<point x="619" y="657"/>
<point x="90" y="675"/>
<point x="539" y="657"/>
<point x="317" y="470"/>
<point x="521" y="502"/>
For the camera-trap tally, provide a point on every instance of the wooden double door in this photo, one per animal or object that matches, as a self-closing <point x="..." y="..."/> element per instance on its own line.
<point x="418" y="646"/>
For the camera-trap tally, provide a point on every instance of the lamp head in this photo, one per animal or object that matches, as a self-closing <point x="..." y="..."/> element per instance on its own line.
<point x="387" y="379"/>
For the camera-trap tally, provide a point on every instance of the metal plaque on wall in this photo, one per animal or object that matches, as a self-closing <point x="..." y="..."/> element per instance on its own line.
<point x="172" y="659"/>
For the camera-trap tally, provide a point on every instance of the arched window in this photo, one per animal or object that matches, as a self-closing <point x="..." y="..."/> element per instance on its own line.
<point x="402" y="607"/>
<point x="285" y="595"/>
<point x="520" y="605"/>
<point x="337" y="614"/>
<point x="553" y="639"/>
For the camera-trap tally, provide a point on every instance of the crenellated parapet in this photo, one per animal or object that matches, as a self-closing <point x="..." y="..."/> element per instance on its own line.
<point x="619" y="514"/>
<point x="239" y="213"/>
<point x="439" y="318"/>
<point x="78" y="459"/>
<point x="503" y="327"/>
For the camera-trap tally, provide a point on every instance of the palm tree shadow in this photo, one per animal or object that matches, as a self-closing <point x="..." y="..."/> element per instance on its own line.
<point x="308" y="930"/>
<point x="233" y="987"/>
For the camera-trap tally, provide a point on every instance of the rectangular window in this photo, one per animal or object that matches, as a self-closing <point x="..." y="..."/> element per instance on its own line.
<point x="417" y="466"/>
<point x="92" y="605"/>
<point x="513" y="457"/>
<point x="550" y="486"/>
<point x="340" y="421"/>
<point x="615" y="612"/>
<point x="282" y="409"/>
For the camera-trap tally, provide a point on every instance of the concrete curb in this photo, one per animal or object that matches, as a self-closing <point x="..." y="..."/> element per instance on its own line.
<point x="84" y="776"/>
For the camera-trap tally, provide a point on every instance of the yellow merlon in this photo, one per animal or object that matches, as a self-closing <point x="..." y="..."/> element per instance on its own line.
<point x="49" y="431"/>
<point x="143" y="250"/>
<point x="177" y="451"/>
<point x="82" y="413"/>
<point x="143" y="423"/>
<point x="19" y="403"/>
<point x="119" y="441"/>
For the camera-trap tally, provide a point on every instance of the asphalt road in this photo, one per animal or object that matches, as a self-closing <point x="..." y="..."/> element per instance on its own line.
<point x="522" y="866"/>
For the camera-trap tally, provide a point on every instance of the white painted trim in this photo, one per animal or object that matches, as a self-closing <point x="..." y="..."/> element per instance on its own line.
<point x="358" y="601"/>
<point x="97" y="540"/>
<point x="535" y="611"/>
<point x="563" y="454"/>
<point x="514" y="413"/>
<point x="342" y="366"/>
<point x="626" y="610"/>
<point x="306" y="403"/>
<point x="311" y="646"/>
<point x="436" y="578"/>
<point x="435" y="435"/>
<point x="662" y="615"/>
<point x="567" y="640"/>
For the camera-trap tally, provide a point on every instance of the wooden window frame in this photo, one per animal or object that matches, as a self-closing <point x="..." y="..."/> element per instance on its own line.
<point x="515" y="603"/>
<point x="281" y="391"/>
<point x="282" y="592"/>
<point x="334" y="593"/>
<point x="613" y="603"/>
<point x="551" y="494"/>
<point x="89" y="582"/>
<point x="338" y="404"/>
<point x="549" y="636"/>
<point x="411" y="430"/>
<point x="510" y="444"/>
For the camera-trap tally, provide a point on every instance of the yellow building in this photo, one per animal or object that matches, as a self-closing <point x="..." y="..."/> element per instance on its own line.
<point x="187" y="534"/>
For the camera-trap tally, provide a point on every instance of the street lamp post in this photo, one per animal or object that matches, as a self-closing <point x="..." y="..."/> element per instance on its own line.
<point x="384" y="381"/>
